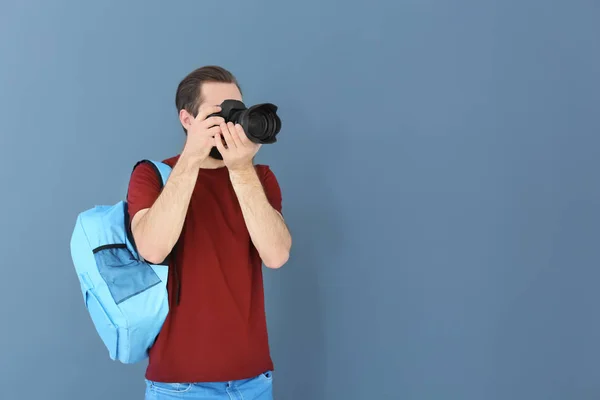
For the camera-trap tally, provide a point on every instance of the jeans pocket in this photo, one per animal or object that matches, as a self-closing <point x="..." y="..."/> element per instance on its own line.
<point x="169" y="387"/>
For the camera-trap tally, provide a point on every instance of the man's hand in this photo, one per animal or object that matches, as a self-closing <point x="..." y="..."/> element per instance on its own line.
<point x="201" y="134"/>
<point x="238" y="151"/>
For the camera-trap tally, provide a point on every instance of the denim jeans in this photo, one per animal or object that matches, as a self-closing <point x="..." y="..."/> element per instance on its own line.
<point x="257" y="388"/>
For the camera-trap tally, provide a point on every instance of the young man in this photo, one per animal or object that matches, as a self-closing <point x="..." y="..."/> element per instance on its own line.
<point x="218" y="219"/>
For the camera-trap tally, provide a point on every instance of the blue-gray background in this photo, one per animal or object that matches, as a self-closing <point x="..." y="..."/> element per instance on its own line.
<point x="439" y="163"/>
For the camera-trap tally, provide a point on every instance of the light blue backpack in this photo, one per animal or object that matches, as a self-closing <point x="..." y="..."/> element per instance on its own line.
<point x="125" y="296"/>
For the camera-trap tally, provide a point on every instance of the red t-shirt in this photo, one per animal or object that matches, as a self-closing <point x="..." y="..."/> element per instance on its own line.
<point x="218" y="331"/>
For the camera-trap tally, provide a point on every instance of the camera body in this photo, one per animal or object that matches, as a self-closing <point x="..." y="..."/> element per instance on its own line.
<point x="260" y="122"/>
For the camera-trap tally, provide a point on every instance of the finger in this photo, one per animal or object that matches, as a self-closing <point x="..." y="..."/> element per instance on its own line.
<point x="219" y="143"/>
<point x="212" y="121"/>
<point x="205" y="112"/>
<point x="234" y="135"/>
<point x="227" y="136"/>
<point x="242" y="135"/>
<point x="212" y="132"/>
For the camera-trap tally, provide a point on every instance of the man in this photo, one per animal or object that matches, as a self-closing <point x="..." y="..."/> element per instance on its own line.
<point x="217" y="219"/>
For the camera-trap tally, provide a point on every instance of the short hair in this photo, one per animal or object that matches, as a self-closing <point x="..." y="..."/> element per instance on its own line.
<point x="189" y="91"/>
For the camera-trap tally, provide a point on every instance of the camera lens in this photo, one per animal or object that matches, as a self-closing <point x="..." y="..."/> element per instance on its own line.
<point x="261" y="123"/>
<point x="258" y="123"/>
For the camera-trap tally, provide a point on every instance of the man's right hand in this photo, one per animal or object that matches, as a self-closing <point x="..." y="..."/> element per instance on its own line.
<point x="200" y="135"/>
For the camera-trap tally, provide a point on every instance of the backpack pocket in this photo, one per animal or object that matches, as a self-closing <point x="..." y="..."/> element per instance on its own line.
<point x="124" y="274"/>
<point x="104" y="325"/>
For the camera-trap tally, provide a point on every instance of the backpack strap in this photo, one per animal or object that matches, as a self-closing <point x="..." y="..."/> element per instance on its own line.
<point x="162" y="170"/>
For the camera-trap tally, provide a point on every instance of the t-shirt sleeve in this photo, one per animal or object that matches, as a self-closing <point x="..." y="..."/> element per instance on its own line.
<point x="144" y="189"/>
<point x="272" y="189"/>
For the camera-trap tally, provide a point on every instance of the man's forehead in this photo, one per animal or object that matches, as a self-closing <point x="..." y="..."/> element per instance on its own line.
<point x="214" y="93"/>
<point x="211" y="89"/>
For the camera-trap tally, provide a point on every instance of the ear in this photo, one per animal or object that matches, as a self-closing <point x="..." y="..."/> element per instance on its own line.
<point x="186" y="119"/>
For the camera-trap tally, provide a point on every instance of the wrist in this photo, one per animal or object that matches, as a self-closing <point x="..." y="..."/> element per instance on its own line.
<point x="243" y="174"/>
<point x="189" y="161"/>
<point x="242" y="169"/>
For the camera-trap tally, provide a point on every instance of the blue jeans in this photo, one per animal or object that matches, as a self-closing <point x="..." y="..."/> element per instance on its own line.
<point x="257" y="388"/>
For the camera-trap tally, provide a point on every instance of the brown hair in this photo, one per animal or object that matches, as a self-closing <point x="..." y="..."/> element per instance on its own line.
<point x="189" y="91"/>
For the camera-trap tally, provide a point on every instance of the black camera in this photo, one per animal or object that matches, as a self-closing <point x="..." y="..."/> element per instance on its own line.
<point x="260" y="122"/>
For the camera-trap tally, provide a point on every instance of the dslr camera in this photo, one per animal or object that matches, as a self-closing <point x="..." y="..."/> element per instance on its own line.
<point x="260" y="122"/>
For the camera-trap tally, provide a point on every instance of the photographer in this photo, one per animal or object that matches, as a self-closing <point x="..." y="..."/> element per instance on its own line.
<point x="217" y="220"/>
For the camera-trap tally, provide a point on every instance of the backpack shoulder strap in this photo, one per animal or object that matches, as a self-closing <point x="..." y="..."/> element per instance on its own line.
<point x="162" y="170"/>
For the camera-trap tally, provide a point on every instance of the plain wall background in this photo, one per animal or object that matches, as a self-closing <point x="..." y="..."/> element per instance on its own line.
<point x="439" y="164"/>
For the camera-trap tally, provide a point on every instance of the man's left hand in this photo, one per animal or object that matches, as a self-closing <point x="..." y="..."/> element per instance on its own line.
<point x="238" y="151"/>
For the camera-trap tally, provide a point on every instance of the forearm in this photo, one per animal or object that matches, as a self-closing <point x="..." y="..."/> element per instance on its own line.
<point x="157" y="230"/>
<point x="266" y="226"/>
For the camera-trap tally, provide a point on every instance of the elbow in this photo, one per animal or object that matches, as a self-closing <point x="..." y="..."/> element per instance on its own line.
<point x="154" y="259"/>
<point x="152" y="255"/>
<point x="277" y="260"/>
